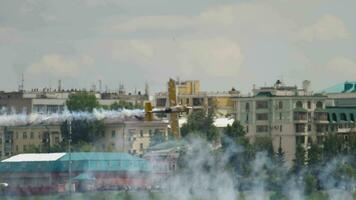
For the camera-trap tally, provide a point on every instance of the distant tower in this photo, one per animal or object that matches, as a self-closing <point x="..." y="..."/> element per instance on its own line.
<point x="59" y="85"/>
<point x="121" y="89"/>
<point x="21" y="85"/>
<point x="147" y="90"/>
<point x="306" y="85"/>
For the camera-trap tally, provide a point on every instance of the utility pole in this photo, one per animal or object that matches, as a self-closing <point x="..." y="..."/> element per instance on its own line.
<point x="70" y="158"/>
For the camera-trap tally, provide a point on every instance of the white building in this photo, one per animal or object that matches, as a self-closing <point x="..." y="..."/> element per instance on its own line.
<point x="284" y="113"/>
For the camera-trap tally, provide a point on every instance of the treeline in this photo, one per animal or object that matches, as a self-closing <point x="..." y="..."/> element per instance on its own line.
<point x="329" y="164"/>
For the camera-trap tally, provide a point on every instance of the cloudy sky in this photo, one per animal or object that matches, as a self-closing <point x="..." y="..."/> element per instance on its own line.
<point x="223" y="43"/>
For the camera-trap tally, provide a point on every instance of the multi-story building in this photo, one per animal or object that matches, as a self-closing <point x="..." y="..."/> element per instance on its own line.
<point x="189" y="94"/>
<point x="25" y="138"/>
<point x="130" y="135"/>
<point x="54" y="101"/>
<point x="341" y="108"/>
<point x="290" y="116"/>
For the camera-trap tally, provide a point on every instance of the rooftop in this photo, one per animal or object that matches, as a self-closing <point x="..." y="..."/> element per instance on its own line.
<point x="346" y="87"/>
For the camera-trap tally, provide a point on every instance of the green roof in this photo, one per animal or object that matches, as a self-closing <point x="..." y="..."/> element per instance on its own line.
<point x="84" y="177"/>
<point x="168" y="145"/>
<point x="264" y="94"/>
<point x="98" y="161"/>
<point x="340" y="88"/>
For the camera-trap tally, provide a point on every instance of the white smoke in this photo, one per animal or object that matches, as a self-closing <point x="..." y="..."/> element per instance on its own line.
<point x="14" y="119"/>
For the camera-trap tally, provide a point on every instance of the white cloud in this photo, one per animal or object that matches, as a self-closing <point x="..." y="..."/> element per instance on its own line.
<point x="342" y="66"/>
<point x="60" y="66"/>
<point x="185" y="57"/>
<point x="327" y="27"/>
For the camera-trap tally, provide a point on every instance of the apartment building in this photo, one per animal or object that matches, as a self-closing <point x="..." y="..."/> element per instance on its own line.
<point x="133" y="136"/>
<point x="54" y="101"/>
<point x="341" y="108"/>
<point x="20" y="139"/>
<point x="287" y="114"/>
<point x="189" y="94"/>
<point x="130" y="135"/>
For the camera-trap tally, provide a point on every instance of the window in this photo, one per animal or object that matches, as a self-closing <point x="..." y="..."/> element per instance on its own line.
<point x="134" y="151"/>
<point x="261" y="128"/>
<point x="24" y="135"/>
<point x="309" y="105"/>
<point x="333" y="116"/>
<point x="261" y="104"/>
<point x="300" y="128"/>
<point x="246" y="117"/>
<point x="56" y="139"/>
<point x="299" y="104"/>
<point x="141" y="146"/>
<point x="262" y="116"/>
<point x="141" y="133"/>
<point x="247" y="107"/>
<point x="24" y="148"/>
<point x="246" y="129"/>
<point x="113" y="134"/>
<point x="113" y="145"/>
<point x="343" y="117"/>
<point x="280" y="116"/>
<point x="319" y="105"/>
<point x="280" y="128"/>
<point x="280" y="105"/>
<point x="352" y="118"/>
<point x="32" y="135"/>
<point x="161" y="102"/>
<point x="198" y="101"/>
<point x="309" y="127"/>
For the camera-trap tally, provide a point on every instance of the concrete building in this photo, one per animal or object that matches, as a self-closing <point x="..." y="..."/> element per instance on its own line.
<point x="290" y="116"/>
<point x="341" y="108"/>
<point x="189" y="94"/>
<point x="20" y="139"/>
<point x="132" y="136"/>
<point x="54" y="101"/>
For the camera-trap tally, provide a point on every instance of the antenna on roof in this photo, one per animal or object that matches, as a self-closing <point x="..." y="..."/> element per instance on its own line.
<point x="22" y="83"/>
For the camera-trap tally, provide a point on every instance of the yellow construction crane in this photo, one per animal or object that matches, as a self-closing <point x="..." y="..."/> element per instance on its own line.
<point x="172" y="110"/>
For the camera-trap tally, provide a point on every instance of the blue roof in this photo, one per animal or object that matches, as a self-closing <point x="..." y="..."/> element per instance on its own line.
<point x="340" y="88"/>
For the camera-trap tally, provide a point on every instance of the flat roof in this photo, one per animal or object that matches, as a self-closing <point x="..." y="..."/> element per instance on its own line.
<point x="35" y="157"/>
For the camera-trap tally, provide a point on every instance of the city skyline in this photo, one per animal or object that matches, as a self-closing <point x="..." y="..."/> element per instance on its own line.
<point x="226" y="44"/>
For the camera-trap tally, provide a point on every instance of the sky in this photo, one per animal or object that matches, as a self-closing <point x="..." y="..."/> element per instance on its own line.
<point x="223" y="43"/>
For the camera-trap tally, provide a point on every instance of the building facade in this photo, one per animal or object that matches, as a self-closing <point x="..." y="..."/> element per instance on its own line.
<point x="189" y="94"/>
<point x="132" y="136"/>
<point x="288" y="115"/>
<point x="54" y="101"/>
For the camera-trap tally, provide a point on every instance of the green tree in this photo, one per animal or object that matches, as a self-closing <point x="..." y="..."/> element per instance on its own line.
<point x="299" y="161"/>
<point x="314" y="155"/>
<point x="201" y="124"/>
<point x="83" y="130"/>
<point x="124" y="105"/>
<point x="82" y="101"/>
<point x="264" y="144"/>
<point x="310" y="183"/>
